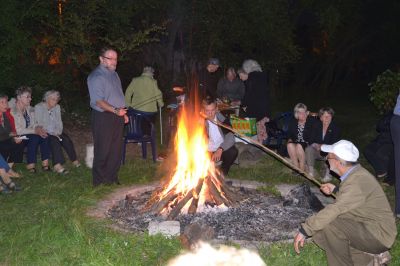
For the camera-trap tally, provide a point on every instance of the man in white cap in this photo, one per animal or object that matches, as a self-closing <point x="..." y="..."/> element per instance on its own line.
<point x="359" y="227"/>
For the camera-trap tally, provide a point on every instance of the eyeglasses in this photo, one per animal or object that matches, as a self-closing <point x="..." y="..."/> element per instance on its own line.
<point x="330" y="158"/>
<point x="27" y="96"/>
<point x="109" y="58"/>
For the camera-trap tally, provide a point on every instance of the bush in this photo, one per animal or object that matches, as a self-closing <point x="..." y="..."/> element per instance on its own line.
<point x="384" y="91"/>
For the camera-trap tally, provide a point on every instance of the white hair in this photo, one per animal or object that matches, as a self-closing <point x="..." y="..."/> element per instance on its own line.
<point x="148" y="70"/>
<point x="251" y="65"/>
<point x="49" y="93"/>
<point x="205" y="254"/>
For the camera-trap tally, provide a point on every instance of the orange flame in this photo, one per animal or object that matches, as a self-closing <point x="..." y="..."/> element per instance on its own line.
<point x="191" y="147"/>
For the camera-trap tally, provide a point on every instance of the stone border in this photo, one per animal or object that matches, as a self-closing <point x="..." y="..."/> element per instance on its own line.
<point x="100" y="210"/>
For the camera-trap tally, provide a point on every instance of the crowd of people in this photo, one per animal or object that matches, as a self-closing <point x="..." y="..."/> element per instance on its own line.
<point x="26" y="127"/>
<point x="357" y="227"/>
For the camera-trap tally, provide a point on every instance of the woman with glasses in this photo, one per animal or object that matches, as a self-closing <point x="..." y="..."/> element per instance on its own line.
<point x="48" y="116"/>
<point x="32" y="135"/>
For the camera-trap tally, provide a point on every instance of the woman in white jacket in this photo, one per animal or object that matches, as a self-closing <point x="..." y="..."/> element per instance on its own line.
<point x="32" y="135"/>
<point x="48" y="116"/>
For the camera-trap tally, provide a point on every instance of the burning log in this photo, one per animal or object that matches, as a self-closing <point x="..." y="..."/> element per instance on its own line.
<point x="196" y="196"/>
<point x="194" y="191"/>
<point x="159" y="206"/>
<point x="215" y="194"/>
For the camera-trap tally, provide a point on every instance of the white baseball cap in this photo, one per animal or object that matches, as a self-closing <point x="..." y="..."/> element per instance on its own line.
<point x="343" y="149"/>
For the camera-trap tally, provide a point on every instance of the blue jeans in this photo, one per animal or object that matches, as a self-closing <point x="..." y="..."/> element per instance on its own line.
<point x="32" y="143"/>
<point x="4" y="164"/>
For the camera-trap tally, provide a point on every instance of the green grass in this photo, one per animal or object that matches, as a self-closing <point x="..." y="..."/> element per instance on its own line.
<point x="45" y="224"/>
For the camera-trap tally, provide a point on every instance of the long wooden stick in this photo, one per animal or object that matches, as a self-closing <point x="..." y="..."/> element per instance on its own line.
<point x="267" y="150"/>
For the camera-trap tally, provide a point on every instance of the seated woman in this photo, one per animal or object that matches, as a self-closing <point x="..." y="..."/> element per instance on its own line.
<point x="299" y="132"/>
<point x="48" y="116"/>
<point x="11" y="147"/>
<point x="6" y="173"/>
<point x="26" y="127"/>
<point x="325" y="131"/>
<point x="230" y="88"/>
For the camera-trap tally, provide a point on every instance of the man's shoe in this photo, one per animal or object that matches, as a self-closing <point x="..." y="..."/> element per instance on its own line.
<point x="380" y="259"/>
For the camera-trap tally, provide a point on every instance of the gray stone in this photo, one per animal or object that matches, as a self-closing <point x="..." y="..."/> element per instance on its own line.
<point x="301" y="196"/>
<point x="167" y="228"/>
<point x="249" y="155"/>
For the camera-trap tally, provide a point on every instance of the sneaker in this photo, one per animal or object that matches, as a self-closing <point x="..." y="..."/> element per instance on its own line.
<point x="160" y="158"/>
<point x="380" y="259"/>
<point x="76" y="163"/>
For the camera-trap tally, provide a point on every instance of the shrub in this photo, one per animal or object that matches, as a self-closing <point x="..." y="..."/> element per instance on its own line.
<point x="384" y="91"/>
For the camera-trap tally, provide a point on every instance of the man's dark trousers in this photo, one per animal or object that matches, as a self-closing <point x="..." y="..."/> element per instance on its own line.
<point x="228" y="157"/>
<point x="395" y="131"/>
<point x="107" y="137"/>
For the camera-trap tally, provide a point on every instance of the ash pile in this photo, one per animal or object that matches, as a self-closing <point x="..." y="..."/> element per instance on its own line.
<point x="259" y="216"/>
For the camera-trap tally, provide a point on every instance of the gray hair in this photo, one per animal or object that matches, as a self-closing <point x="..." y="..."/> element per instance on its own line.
<point x="148" y="70"/>
<point x="21" y="90"/>
<point x="105" y="49"/>
<point x="328" y="110"/>
<point x="49" y="93"/>
<point x="300" y="106"/>
<point x="344" y="162"/>
<point x="251" y="65"/>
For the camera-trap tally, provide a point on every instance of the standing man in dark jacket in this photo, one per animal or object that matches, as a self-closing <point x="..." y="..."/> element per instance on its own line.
<point x="208" y="79"/>
<point x="379" y="152"/>
<point x="359" y="227"/>
<point x="108" y="117"/>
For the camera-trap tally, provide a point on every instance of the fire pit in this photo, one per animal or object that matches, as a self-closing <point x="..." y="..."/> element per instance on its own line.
<point x="197" y="192"/>
<point x="258" y="217"/>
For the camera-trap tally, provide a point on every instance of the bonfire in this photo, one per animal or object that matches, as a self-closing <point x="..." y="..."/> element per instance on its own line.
<point x="195" y="181"/>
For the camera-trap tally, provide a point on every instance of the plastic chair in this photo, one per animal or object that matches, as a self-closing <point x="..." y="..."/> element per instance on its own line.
<point x="135" y="134"/>
<point x="277" y="130"/>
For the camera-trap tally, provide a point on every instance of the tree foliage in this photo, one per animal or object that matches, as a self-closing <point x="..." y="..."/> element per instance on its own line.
<point x="384" y="91"/>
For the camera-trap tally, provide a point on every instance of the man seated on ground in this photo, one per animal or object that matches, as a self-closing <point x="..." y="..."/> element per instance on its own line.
<point x="359" y="226"/>
<point x="221" y="142"/>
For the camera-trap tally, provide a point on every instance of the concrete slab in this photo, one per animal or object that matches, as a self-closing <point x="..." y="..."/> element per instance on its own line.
<point x="167" y="228"/>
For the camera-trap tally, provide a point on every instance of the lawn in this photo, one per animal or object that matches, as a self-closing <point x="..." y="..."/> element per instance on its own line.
<point x="45" y="224"/>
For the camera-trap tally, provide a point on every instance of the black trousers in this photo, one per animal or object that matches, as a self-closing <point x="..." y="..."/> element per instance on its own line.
<point x="395" y="131"/>
<point x="379" y="156"/>
<point x="11" y="151"/>
<point x="56" y="148"/>
<point x="107" y="129"/>
<point x="228" y="157"/>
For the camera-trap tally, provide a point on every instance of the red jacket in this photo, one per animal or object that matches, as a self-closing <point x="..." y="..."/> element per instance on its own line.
<point x="11" y="119"/>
